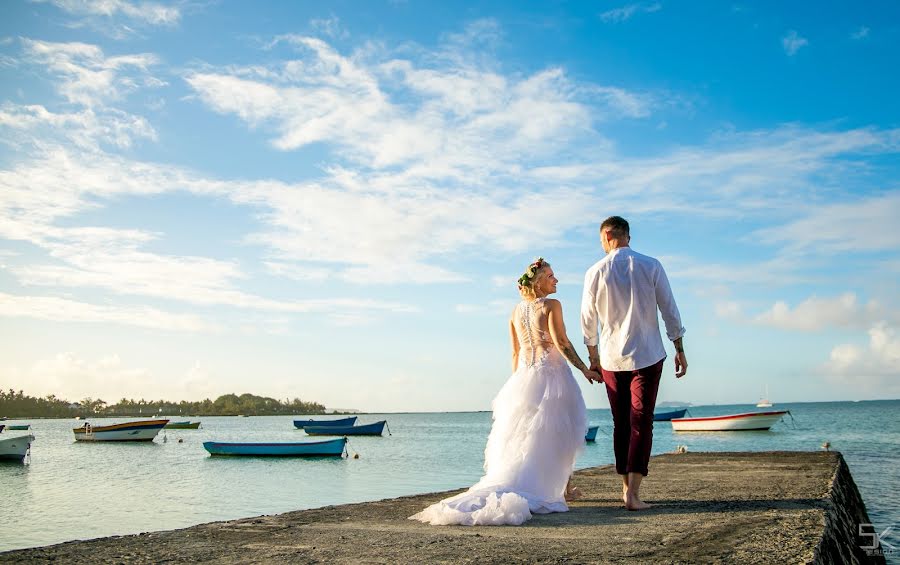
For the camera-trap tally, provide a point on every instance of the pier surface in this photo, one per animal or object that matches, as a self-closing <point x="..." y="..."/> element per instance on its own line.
<point x="771" y="507"/>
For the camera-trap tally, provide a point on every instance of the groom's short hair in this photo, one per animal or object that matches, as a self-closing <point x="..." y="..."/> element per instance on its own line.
<point x="617" y="226"/>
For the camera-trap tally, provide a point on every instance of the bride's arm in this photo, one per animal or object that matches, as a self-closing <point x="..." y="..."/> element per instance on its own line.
<point x="515" y="345"/>
<point x="558" y="333"/>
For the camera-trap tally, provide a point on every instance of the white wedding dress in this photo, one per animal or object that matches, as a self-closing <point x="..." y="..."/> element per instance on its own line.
<point x="538" y="431"/>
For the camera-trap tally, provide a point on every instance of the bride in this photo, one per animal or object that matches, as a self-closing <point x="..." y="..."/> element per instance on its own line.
<point x="539" y="420"/>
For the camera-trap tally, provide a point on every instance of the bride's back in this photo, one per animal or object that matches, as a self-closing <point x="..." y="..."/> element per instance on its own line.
<point x="532" y="322"/>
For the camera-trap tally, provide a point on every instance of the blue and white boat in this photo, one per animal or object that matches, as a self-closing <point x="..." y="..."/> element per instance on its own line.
<point x="666" y="416"/>
<point x="15" y="448"/>
<point x="374" y="429"/>
<point x="301" y="424"/>
<point x="329" y="448"/>
<point x="591" y="433"/>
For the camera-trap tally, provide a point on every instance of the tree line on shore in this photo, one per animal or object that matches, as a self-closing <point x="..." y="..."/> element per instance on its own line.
<point x="15" y="404"/>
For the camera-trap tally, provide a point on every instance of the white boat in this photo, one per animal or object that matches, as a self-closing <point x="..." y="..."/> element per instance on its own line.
<point x="16" y="447"/>
<point x="730" y="422"/>
<point x="145" y="430"/>
<point x="765" y="402"/>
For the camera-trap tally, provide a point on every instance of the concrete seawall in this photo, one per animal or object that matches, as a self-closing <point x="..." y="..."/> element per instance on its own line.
<point x="771" y="507"/>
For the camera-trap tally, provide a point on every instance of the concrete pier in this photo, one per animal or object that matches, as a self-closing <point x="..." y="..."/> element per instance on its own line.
<point x="772" y="507"/>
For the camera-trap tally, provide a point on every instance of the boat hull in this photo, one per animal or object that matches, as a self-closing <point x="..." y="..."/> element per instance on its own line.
<point x="329" y="448"/>
<point x="343" y="422"/>
<point x="375" y="429"/>
<point x="753" y="421"/>
<point x="15" y="448"/>
<point x="145" y="430"/>
<point x="666" y="416"/>
<point x="591" y="433"/>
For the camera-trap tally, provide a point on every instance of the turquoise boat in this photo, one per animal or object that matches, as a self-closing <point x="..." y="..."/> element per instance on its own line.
<point x="329" y="448"/>
<point x="591" y="433"/>
<point x="365" y="430"/>
<point x="666" y="416"/>
<point x="302" y="424"/>
<point x="19" y="427"/>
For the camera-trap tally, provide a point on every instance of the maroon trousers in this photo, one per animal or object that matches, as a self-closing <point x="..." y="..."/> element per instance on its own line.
<point x="632" y="399"/>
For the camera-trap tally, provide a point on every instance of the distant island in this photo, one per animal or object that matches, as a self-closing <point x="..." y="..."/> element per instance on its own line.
<point x="673" y="404"/>
<point x="19" y="405"/>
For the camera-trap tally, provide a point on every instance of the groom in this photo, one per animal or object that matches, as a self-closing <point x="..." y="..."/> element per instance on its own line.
<point x="622" y="293"/>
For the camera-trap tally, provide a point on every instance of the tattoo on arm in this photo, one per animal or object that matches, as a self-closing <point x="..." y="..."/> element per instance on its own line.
<point x="569" y="353"/>
<point x="679" y="345"/>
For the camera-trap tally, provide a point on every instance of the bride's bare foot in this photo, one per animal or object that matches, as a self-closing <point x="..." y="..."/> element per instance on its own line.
<point x="634" y="503"/>
<point x="625" y="494"/>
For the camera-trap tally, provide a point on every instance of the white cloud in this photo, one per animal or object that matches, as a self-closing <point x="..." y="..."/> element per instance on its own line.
<point x="792" y="43"/>
<point x="118" y="18"/>
<point x="86" y="129"/>
<point x="626" y="12"/>
<point x="88" y="77"/>
<point x="860" y="33"/>
<point x="64" y="310"/>
<point x="330" y="27"/>
<point x="875" y="368"/>
<point x="72" y="377"/>
<point x="814" y="314"/>
<point x="863" y="225"/>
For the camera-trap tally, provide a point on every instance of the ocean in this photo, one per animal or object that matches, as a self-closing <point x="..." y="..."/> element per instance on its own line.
<point x="72" y="490"/>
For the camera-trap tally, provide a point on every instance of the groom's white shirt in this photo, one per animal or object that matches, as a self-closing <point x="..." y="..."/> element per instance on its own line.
<point x="622" y="293"/>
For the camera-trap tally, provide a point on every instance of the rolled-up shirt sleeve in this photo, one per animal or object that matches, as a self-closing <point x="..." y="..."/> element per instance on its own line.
<point x="589" y="308"/>
<point x="667" y="307"/>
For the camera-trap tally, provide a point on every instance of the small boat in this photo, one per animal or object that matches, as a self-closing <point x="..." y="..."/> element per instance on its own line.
<point x="183" y="425"/>
<point x="15" y="448"/>
<point x="591" y="433"/>
<point x="144" y="430"/>
<point x="300" y="424"/>
<point x="730" y="422"/>
<point x="665" y="416"/>
<point x="364" y="430"/>
<point x="329" y="448"/>
<point x="764" y="402"/>
<point x="19" y="427"/>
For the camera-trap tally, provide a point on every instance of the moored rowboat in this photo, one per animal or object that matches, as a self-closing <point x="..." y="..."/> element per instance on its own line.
<point x="144" y="430"/>
<point x="730" y="422"/>
<point x="300" y="424"/>
<point x="19" y="427"/>
<point x="328" y="448"/>
<point x="591" y="433"/>
<point x="183" y="425"/>
<point x="665" y="416"/>
<point x="365" y="430"/>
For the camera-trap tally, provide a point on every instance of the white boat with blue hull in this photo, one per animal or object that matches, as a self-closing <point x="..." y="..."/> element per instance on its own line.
<point x="15" y="448"/>
<point x="144" y="430"/>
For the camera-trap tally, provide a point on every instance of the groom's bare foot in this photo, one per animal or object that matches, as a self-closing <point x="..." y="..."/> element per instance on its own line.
<point x="625" y="495"/>
<point x="634" y="503"/>
<point x="574" y="493"/>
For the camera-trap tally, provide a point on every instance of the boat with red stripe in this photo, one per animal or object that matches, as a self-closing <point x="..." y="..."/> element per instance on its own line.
<point x="143" y="430"/>
<point x="749" y="421"/>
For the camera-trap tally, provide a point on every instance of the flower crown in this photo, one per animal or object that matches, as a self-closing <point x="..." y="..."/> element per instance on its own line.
<point x="525" y="279"/>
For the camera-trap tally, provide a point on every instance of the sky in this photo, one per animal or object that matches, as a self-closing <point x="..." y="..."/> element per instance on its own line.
<point x="333" y="200"/>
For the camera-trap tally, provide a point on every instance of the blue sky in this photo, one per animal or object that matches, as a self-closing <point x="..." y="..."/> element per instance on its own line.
<point x="333" y="201"/>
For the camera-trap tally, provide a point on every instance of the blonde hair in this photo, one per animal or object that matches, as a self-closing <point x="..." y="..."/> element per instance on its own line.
<point x="527" y="289"/>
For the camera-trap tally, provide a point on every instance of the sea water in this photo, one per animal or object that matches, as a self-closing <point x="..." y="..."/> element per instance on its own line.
<point x="72" y="490"/>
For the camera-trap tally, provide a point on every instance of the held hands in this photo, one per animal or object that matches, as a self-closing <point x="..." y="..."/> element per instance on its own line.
<point x="681" y="364"/>
<point x="592" y="375"/>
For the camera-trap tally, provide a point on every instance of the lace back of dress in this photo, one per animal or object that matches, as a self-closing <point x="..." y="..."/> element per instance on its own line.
<point x="532" y="335"/>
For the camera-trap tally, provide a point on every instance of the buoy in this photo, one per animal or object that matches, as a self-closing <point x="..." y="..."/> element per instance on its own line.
<point x="181" y="440"/>
<point x="356" y="456"/>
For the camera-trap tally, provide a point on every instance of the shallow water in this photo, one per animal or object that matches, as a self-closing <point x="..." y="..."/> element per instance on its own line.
<point x="77" y="491"/>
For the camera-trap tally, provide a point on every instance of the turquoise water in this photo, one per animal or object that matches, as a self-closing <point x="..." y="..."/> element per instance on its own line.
<point x="77" y="491"/>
